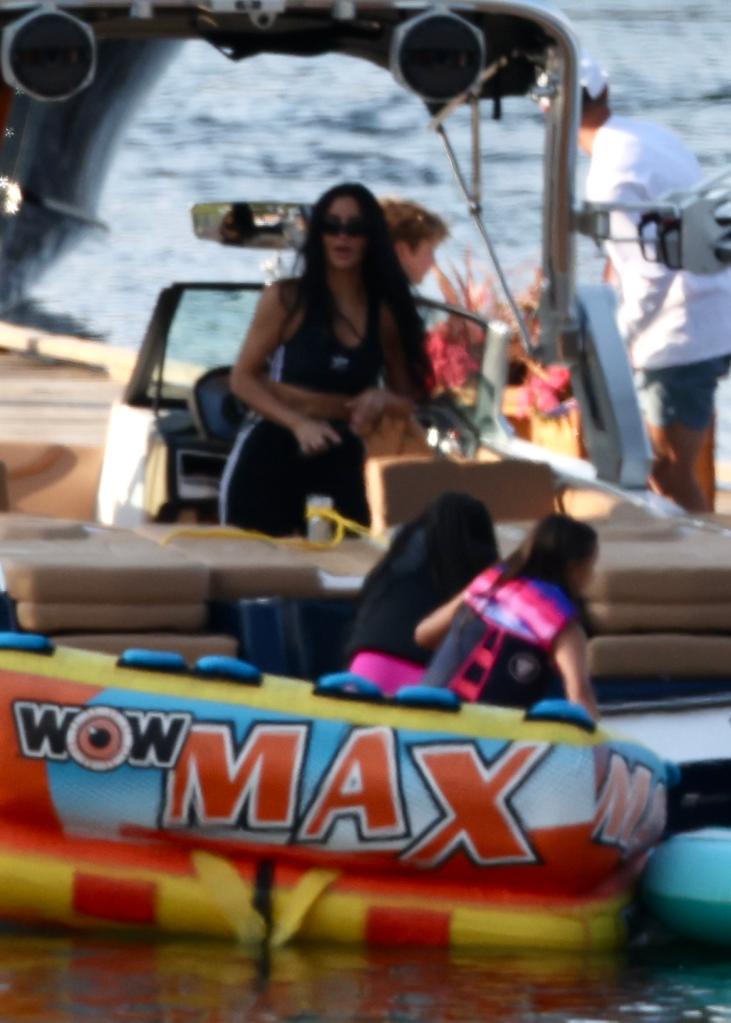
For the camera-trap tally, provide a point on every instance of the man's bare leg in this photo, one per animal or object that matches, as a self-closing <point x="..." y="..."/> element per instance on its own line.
<point x="705" y="467"/>
<point x="676" y="448"/>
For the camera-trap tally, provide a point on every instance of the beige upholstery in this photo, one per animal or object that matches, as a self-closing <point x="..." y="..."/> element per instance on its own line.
<point x="399" y="489"/>
<point x="16" y="526"/>
<point x="675" y="565"/>
<point x="586" y="502"/>
<point x="350" y="559"/>
<point x="49" y="616"/>
<point x="653" y="576"/>
<point x="661" y="654"/>
<point x="628" y="616"/>
<point x="102" y="579"/>
<point x="240" y="567"/>
<point x="52" y="479"/>
<point x="661" y="576"/>
<point x="191" y="647"/>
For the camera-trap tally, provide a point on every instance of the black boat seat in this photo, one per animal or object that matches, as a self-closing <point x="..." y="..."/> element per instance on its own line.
<point x="217" y="412"/>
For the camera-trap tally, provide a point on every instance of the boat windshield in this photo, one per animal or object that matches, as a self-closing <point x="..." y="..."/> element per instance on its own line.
<point x="199" y="326"/>
<point x="209" y="323"/>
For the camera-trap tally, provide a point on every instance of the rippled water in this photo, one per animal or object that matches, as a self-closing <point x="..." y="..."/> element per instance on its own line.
<point x="269" y="128"/>
<point x="65" y="980"/>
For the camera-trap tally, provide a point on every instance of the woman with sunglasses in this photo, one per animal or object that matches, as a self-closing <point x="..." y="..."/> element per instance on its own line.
<point x="313" y="366"/>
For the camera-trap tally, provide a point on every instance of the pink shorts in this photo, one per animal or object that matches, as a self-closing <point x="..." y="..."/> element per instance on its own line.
<point x="389" y="673"/>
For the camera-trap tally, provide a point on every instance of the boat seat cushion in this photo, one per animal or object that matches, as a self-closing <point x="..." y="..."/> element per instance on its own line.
<point x="50" y="616"/>
<point x="106" y="580"/>
<point x="191" y="646"/>
<point x="656" y="655"/>
<point x="59" y="476"/>
<point x="583" y="501"/>
<point x="18" y="526"/>
<point x="241" y="568"/>
<point x="666" y="577"/>
<point x="399" y="489"/>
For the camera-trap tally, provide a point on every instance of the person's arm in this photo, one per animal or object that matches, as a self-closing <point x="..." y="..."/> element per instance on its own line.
<point x="396" y="398"/>
<point x="398" y="378"/>
<point x="571" y="657"/>
<point x="431" y="630"/>
<point x="249" y="383"/>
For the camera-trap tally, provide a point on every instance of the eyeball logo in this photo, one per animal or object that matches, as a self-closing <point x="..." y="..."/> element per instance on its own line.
<point x="99" y="738"/>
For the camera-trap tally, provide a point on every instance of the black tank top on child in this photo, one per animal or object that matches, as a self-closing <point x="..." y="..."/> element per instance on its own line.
<point x="394" y="606"/>
<point x="315" y="358"/>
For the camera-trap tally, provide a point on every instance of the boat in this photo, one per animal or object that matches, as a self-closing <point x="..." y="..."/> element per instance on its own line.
<point x="686" y="885"/>
<point x="135" y="560"/>
<point x="146" y="792"/>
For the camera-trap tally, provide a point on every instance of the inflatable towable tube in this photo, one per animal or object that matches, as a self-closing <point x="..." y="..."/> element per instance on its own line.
<point x="687" y="884"/>
<point x="208" y="800"/>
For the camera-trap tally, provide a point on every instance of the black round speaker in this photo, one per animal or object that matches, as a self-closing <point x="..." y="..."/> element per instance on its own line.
<point x="438" y="55"/>
<point x="50" y="55"/>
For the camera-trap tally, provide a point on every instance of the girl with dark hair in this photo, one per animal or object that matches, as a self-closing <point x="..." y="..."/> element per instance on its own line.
<point x="312" y="366"/>
<point x="518" y="628"/>
<point x="430" y="560"/>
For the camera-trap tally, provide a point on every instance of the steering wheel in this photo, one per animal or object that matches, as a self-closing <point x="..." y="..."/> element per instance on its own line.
<point x="217" y="412"/>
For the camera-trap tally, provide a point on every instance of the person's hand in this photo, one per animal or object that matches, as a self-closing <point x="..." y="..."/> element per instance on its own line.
<point x="366" y="410"/>
<point x="314" y="435"/>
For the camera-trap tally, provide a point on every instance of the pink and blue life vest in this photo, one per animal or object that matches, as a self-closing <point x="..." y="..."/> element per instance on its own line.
<point x="499" y="647"/>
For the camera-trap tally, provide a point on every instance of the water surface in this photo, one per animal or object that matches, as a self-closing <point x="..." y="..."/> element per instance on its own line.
<point x="67" y="980"/>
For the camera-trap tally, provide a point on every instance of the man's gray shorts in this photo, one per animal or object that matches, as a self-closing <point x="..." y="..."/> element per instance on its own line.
<point x="681" y="394"/>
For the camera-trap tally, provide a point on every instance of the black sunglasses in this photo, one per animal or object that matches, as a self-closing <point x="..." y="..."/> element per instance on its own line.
<point x="355" y="227"/>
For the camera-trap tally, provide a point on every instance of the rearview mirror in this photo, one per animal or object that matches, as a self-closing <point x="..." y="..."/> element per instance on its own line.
<point x="256" y="225"/>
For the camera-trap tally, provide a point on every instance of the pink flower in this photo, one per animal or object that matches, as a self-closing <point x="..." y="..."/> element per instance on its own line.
<point x="451" y="361"/>
<point x="547" y="390"/>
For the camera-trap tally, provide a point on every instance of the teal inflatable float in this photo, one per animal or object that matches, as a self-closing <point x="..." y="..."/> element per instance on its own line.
<point x="687" y="884"/>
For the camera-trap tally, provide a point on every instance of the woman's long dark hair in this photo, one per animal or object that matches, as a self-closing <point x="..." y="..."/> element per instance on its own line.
<point x="460" y="543"/>
<point x="383" y="276"/>
<point x="557" y="542"/>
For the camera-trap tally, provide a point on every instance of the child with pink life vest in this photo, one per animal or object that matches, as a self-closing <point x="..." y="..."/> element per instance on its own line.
<point x="515" y="635"/>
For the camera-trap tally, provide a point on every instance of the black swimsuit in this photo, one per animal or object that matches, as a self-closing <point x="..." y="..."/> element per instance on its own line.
<point x="315" y="358"/>
<point x="267" y="478"/>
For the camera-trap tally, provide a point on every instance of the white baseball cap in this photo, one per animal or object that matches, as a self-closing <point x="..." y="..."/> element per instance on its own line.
<point x="592" y="76"/>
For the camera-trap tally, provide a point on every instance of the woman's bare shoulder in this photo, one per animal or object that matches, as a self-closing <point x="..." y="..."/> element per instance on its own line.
<point x="285" y="292"/>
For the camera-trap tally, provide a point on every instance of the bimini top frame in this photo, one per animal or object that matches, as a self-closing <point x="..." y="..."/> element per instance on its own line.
<point x="479" y="51"/>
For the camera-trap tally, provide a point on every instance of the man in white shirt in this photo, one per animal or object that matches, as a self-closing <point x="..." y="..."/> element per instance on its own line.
<point x="677" y="325"/>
